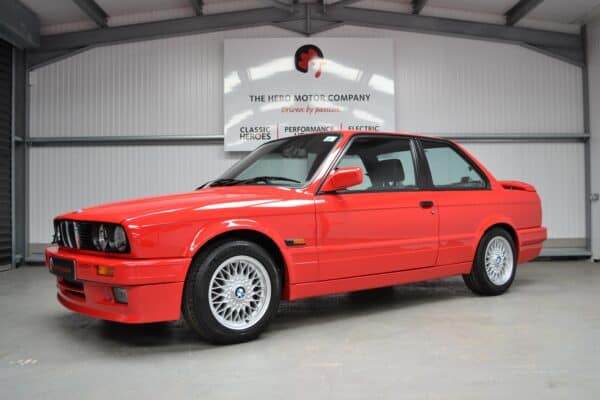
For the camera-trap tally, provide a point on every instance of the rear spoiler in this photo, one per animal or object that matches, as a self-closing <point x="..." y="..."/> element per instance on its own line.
<point x="516" y="185"/>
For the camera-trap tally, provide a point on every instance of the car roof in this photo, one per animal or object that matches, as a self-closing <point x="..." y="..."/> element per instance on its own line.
<point x="347" y="132"/>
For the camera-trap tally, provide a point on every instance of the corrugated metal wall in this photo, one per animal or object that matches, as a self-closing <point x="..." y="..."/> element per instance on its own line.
<point x="108" y="173"/>
<point x="555" y="169"/>
<point x="171" y="86"/>
<point x="594" y="81"/>
<point x="5" y="153"/>
<point x="174" y="86"/>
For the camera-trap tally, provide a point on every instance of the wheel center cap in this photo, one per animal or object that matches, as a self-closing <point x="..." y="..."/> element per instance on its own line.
<point x="240" y="292"/>
<point x="498" y="260"/>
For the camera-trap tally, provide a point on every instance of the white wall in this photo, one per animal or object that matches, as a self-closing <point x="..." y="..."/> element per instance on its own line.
<point x="594" y="82"/>
<point x="174" y="86"/>
<point x="107" y="173"/>
<point x="555" y="169"/>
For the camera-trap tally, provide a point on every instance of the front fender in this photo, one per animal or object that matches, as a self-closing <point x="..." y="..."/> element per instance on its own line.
<point x="217" y="228"/>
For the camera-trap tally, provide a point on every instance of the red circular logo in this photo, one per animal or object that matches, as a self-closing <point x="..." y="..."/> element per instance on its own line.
<point x="307" y="54"/>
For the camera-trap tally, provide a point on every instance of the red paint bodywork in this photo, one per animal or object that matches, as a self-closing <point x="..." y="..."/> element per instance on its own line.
<point x="342" y="178"/>
<point x="352" y="241"/>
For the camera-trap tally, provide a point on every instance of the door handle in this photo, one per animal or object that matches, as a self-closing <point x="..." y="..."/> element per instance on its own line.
<point x="426" y="204"/>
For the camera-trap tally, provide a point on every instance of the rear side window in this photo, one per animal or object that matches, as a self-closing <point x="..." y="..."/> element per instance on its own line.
<point x="449" y="169"/>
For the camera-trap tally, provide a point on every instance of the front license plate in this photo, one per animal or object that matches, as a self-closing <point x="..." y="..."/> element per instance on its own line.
<point x="62" y="267"/>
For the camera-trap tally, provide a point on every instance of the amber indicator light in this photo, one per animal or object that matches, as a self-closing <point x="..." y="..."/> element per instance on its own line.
<point x="105" y="270"/>
<point x="295" y="242"/>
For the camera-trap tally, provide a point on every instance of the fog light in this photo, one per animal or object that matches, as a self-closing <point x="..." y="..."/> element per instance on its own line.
<point x="120" y="295"/>
<point x="105" y="270"/>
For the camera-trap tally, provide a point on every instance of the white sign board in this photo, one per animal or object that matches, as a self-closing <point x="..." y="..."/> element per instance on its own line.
<point x="282" y="87"/>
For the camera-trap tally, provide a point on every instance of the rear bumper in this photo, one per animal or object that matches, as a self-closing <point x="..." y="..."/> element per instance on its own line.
<point x="154" y="287"/>
<point x="530" y="243"/>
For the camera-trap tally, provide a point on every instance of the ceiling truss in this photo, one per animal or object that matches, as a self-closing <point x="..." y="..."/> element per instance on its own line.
<point x="520" y="10"/>
<point x="417" y="6"/>
<point x="198" y="6"/>
<point x="19" y="25"/>
<point x="94" y="12"/>
<point x="309" y="19"/>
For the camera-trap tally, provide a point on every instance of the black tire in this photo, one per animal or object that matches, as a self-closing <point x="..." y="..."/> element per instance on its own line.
<point x="478" y="280"/>
<point x="196" y="308"/>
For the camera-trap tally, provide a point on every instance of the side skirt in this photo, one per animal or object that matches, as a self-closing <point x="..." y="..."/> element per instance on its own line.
<point x="313" y="289"/>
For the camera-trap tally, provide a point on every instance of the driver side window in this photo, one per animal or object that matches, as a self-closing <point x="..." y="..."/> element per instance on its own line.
<point x="387" y="164"/>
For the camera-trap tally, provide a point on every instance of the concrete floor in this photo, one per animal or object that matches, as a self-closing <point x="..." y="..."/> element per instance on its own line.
<point x="432" y="340"/>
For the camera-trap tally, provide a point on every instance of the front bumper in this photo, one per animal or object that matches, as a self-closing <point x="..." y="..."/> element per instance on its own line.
<point x="154" y="287"/>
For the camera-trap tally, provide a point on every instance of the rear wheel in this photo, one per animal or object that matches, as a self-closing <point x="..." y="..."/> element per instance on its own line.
<point x="495" y="264"/>
<point x="231" y="292"/>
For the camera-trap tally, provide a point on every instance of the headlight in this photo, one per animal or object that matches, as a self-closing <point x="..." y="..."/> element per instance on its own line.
<point x="119" y="241"/>
<point x="102" y="238"/>
<point x="110" y="238"/>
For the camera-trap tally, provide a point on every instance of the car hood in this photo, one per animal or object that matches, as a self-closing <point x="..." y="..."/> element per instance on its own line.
<point x="215" y="199"/>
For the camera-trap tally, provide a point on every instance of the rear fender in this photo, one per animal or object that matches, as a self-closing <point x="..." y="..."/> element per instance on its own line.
<point x="487" y="224"/>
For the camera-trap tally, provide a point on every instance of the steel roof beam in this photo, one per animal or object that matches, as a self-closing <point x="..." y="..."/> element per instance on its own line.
<point x="417" y="6"/>
<point x="18" y="24"/>
<point x="281" y="4"/>
<point x="343" y="3"/>
<point x="165" y="28"/>
<point x="564" y="46"/>
<point x="520" y="10"/>
<point x="94" y="11"/>
<point x="198" y="6"/>
<point x="453" y="27"/>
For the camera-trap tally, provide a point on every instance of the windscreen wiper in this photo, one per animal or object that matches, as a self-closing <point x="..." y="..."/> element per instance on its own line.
<point x="266" y="179"/>
<point x="219" y="182"/>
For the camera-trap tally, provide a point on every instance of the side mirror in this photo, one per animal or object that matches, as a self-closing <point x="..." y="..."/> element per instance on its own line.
<point x="343" y="178"/>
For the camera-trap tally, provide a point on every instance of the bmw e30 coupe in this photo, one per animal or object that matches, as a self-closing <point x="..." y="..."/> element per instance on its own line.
<point x="301" y="216"/>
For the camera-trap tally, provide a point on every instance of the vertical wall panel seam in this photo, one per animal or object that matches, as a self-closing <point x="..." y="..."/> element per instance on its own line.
<point x="586" y="127"/>
<point x="13" y="212"/>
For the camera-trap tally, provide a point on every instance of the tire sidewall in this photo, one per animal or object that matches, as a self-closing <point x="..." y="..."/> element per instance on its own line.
<point x="207" y="266"/>
<point x="490" y="286"/>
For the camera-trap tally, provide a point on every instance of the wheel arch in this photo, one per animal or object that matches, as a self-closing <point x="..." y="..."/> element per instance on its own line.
<point x="211" y="238"/>
<point x="503" y="224"/>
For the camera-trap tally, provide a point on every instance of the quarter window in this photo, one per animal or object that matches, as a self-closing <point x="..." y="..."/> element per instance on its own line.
<point x="387" y="163"/>
<point x="449" y="169"/>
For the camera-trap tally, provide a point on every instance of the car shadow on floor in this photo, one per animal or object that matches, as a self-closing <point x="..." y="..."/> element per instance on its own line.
<point x="128" y="340"/>
<point x="326" y="309"/>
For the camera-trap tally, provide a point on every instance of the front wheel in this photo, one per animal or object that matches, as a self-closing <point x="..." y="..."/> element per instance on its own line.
<point x="495" y="264"/>
<point x="231" y="292"/>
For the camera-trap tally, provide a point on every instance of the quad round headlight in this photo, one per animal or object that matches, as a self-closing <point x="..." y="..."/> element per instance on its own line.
<point x="110" y="238"/>
<point x="119" y="241"/>
<point x="102" y="238"/>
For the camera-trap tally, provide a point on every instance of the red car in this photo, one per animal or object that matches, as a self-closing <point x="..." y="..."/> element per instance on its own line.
<point x="302" y="216"/>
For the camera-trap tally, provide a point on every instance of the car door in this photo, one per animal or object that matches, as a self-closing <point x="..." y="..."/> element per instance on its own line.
<point x="385" y="224"/>
<point x="462" y="196"/>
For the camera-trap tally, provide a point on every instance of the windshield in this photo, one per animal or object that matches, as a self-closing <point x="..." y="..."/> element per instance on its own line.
<point x="287" y="162"/>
